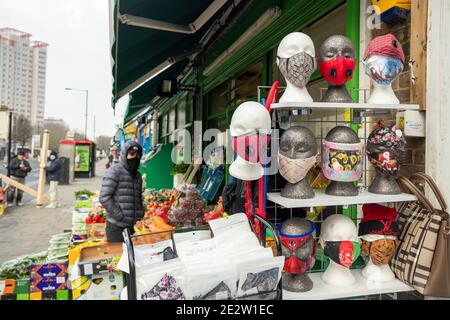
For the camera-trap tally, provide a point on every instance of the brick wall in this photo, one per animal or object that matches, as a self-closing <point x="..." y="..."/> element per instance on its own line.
<point x="415" y="148"/>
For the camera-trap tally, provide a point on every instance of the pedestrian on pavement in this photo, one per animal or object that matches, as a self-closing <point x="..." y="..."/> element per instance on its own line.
<point x="19" y="168"/>
<point x="53" y="171"/>
<point x="121" y="193"/>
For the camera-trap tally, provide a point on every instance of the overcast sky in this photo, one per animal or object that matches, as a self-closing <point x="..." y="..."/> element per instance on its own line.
<point x="78" y="56"/>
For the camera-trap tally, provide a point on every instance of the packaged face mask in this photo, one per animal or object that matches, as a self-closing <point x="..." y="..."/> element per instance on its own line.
<point x="211" y="281"/>
<point x="259" y="275"/>
<point x="222" y="225"/>
<point x="191" y="249"/>
<point x="191" y="236"/>
<point x="164" y="281"/>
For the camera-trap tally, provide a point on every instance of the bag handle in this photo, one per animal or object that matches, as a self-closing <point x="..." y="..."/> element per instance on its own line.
<point x="409" y="186"/>
<point x="433" y="187"/>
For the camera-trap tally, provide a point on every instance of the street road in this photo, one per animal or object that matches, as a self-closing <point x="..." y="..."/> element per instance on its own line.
<point x="32" y="178"/>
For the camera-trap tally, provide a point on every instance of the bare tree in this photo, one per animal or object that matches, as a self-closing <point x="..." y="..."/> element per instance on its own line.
<point x="22" y="130"/>
<point x="103" y="143"/>
<point x="58" y="129"/>
<point x="79" y="135"/>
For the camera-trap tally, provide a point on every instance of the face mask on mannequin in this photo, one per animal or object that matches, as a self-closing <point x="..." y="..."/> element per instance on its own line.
<point x="297" y="69"/>
<point x="299" y="251"/>
<point x="380" y="251"/>
<point x="384" y="70"/>
<point x="251" y="147"/>
<point x="338" y="70"/>
<point x="342" y="162"/>
<point x="343" y="253"/>
<point x="294" y="170"/>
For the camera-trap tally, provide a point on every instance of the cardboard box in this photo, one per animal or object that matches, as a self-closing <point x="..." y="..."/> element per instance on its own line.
<point x="105" y="286"/>
<point x="95" y="260"/>
<point x="14" y="289"/>
<point x="51" y="295"/>
<point x="48" y="277"/>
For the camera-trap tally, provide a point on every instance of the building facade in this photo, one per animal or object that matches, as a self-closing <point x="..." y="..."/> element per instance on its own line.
<point x="23" y="65"/>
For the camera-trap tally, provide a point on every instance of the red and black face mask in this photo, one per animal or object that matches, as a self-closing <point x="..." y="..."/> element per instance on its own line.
<point x="338" y="70"/>
<point x="252" y="147"/>
<point x="302" y="250"/>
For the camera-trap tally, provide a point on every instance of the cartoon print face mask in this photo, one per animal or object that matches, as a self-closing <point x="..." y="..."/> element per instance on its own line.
<point x="342" y="162"/>
<point x="251" y="147"/>
<point x="295" y="170"/>
<point x="343" y="253"/>
<point x="384" y="70"/>
<point x="380" y="251"/>
<point x="297" y="69"/>
<point x="299" y="250"/>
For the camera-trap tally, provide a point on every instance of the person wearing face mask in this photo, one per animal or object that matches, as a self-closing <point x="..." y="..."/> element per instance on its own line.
<point x="53" y="171"/>
<point x="121" y="193"/>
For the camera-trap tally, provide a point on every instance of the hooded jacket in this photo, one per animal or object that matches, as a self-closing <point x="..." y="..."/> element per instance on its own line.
<point x="121" y="193"/>
<point x="53" y="169"/>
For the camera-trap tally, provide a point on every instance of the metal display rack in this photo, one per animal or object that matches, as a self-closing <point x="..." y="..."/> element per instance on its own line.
<point x="321" y="117"/>
<point x="276" y="294"/>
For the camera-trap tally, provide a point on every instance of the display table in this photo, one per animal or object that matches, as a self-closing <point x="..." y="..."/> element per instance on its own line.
<point x="362" y="287"/>
<point x="323" y="200"/>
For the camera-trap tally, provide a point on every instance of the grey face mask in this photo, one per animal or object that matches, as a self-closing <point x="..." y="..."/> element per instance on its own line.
<point x="297" y="69"/>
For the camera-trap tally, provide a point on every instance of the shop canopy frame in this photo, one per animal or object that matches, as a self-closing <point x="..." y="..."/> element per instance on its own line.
<point x="153" y="40"/>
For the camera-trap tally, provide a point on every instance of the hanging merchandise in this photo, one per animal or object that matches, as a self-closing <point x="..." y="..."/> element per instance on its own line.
<point x="342" y="161"/>
<point x="383" y="61"/>
<point x="339" y="239"/>
<point x="337" y="64"/>
<point x="393" y="12"/>
<point x="189" y="209"/>
<point x="299" y="249"/>
<point x="296" y="61"/>
<point x="385" y="151"/>
<point x="296" y="156"/>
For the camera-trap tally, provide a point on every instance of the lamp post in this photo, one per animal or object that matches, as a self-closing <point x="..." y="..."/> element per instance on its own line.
<point x="86" y="115"/>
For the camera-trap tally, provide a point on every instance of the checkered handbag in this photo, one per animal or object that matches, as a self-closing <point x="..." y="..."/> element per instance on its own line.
<point x="422" y="259"/>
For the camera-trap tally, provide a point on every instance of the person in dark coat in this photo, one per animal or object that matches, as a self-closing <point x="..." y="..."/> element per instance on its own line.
<point x="19" y="170"/>
<point x="53" y="171"/>
<point x="121" y="193"/>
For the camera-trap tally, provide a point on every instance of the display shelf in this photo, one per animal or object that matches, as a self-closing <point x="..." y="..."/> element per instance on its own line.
<point x="362" y="287"/>
<point x="323" y="200"/>
<point x="330" y="105"/>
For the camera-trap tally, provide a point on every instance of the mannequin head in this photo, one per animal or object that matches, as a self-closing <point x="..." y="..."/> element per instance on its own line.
<point x="339" y="238"/>
<point x="378" y="230"/>
<point x="385" y="151"/>
<point x="296" y="61"/>
<point x="299" y="248"/>
<point x="337" y="64"/>
<point x="342" y="161"/>
<point x="297" y="155"/>
<point x="384" y="60"/>
<point x="250" y="129"/>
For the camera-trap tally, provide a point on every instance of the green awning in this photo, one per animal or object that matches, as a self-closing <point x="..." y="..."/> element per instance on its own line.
<point x="137" y="50"/>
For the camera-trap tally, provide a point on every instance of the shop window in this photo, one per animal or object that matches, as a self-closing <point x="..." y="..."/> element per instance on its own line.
<point x="172" y="116"/>
<point x="219" y="99"/>
<point x="244" y="86"/>
<point x="181" y="114"/>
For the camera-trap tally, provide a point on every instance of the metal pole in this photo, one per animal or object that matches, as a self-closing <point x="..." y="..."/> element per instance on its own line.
<point x="8" y="156"/>
<point x="86" y="120"/>
<point x="94" y="128"/>
<point x="42" y="165"/>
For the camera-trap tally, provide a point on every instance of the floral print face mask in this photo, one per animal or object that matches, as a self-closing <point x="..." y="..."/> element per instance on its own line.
<point x="342" y="162"/>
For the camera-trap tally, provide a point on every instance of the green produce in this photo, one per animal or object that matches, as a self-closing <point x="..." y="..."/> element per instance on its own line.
<point x="84" y="192"/>
<point x="19" y="268"/>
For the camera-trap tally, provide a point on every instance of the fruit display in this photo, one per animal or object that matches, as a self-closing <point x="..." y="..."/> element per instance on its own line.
<point x="189" y="209"/>
<point x="160" y="210"/>
<point x="156" y="228"/>
<point x="96" y="215"/>
<point x="216" y="213"/>
<point x="159" y="197"/>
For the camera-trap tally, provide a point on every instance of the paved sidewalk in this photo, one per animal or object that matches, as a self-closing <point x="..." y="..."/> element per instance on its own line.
<point x="26" y="230"/>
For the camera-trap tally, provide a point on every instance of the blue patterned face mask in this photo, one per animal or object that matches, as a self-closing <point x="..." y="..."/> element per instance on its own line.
<point x="384" y="70"/>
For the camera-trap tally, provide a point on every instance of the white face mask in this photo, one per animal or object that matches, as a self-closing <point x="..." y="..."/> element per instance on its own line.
<point x="295" y="170"/>
<point x="52" y="157"/>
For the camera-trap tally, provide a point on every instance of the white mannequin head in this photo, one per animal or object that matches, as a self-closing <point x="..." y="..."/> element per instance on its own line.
<point x="249" y="118"/>
<point x="377" y="273"/>
<point x="296" y="50"/>
<point x="338" y="228"/>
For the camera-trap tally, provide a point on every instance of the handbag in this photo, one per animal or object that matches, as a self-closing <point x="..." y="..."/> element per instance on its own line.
<point x="422" y="259"/>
